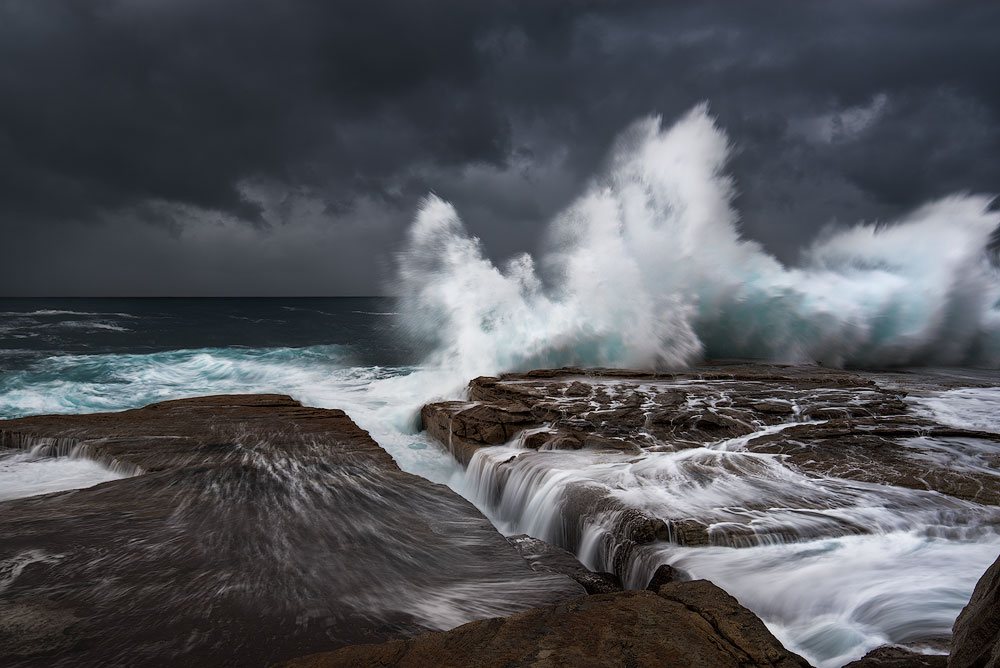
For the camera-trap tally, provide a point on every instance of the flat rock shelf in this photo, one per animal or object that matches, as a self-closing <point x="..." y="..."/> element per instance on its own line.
<point x="249" y="529"/>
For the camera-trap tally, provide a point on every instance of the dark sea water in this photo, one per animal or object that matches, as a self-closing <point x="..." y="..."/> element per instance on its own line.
<point x="85" y="355"/>
<point x="33" y="329"/>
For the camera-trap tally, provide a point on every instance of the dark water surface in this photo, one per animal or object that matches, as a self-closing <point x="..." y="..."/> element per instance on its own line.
<point x="32" y="329"/>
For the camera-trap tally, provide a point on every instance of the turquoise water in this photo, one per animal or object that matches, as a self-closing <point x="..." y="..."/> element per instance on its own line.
<point x="90" y="355"/>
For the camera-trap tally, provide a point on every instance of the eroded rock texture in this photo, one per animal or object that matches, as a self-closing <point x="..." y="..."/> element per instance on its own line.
<point x="547" y="558"/>
<point x="251" y="530"/>
<point x="618" y="466"/>
<point x="889" y="656"/>
<point x="976" y="639"/>
<point x="569" y="409"/>
<point x="821" y="422"/>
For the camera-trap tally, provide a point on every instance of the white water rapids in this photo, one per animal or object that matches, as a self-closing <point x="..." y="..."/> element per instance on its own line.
<point x="26" y="473"/>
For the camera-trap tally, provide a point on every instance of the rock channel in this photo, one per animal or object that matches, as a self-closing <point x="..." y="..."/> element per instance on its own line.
<point x="691" y="624"/>
<point x="615" y="410"/>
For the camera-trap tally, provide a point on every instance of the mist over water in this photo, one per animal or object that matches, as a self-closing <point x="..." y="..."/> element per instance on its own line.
<point x="648" y="269"/>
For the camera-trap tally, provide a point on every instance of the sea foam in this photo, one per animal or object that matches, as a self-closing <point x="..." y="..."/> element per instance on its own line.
<point x="647" y="268"/>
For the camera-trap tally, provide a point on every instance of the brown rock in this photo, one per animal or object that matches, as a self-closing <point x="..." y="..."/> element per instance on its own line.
<point x="547" y="558"/>
<point x="465" y="427"/>
<point x="773" y="407"/>
<point x="578" y="389"/>
<point x="976" y="635"/>
<point x="867" y="434"/>
<point x="691" y="624"/>
<point x="600" y="443"/>
<point x="690" y="533"/>
<point x="598" y="583"/>
<point x="564" y="442"/>
<point x="665" y="574"/>
<point x="890" y="656"/>
<point x="537" y="439"/>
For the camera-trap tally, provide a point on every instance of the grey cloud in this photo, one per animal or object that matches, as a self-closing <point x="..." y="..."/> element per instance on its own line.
<point x="147" y="140"/>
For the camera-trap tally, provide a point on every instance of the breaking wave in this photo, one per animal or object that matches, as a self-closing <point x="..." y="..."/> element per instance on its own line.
<point x="648" y="269"/>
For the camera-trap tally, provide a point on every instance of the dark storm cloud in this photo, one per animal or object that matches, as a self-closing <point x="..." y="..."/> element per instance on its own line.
<point x="262" y="147"/>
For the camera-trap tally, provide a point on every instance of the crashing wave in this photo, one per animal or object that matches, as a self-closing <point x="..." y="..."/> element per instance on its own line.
<point x="648" y="269"/>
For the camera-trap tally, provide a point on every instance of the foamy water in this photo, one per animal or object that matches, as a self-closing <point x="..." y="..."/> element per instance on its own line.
<point x="26" y="474"/>
<point x="967" y="407"/>
<point x="648" y="268"/>
<point x="833" y="600"/>
<point x="830" y="599"/>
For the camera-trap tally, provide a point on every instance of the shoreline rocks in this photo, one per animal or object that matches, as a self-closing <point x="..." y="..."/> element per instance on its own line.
<point x="620" y="410"/>
<point x="976" y="634"/>
<point x="688" y="624"/>
<point x="547" y="558"/>
<point x="254" y="530"/>
<point x="822" y="422"/>
<point x="890" y="656"/>
<point x="637" y="470"/>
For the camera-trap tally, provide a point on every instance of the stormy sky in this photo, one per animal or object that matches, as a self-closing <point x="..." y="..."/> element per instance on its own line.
<point x="224" y="147"/>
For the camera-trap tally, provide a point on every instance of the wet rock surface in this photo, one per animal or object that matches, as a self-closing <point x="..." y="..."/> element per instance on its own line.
<point x="608" y="409"/>
<point x="666" y="574"/>
<point x="251" y="529"/>
<point x="822" y="422"/>
<point x="848" y="509"/>
<point x="547" y="558"/>
<point x="976" y="636"/>
<point x="692" y="624"/>
<point x="899" y="657"/>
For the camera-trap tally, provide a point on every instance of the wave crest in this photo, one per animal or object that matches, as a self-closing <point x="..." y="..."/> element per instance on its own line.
<point x="648" y="269"/>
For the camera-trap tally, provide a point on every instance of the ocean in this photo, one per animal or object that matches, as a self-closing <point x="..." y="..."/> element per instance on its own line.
<point x="828" y="599"/>
<point x="88" y="355"/>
